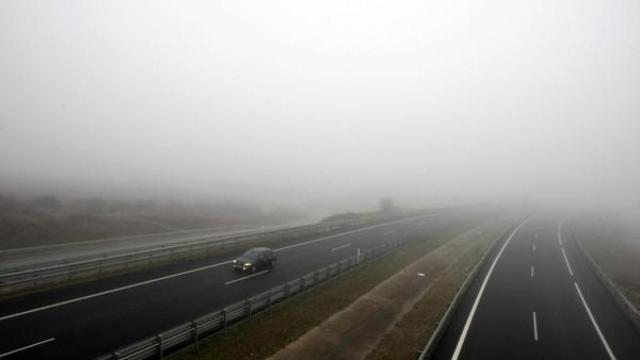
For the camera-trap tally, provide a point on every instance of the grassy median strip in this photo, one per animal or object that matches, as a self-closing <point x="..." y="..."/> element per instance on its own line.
<point x="266" y="333"/>
<point x="410" y="334"/>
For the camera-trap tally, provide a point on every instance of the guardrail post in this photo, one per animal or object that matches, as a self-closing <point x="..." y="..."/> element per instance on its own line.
<point x="248" y="307"/>
<point x="286" y="290"/>
<point x="194" y="325"/>
<point x="224" y="319"/>
<point x="159" y="340"/>
<point x="269" y="295"/>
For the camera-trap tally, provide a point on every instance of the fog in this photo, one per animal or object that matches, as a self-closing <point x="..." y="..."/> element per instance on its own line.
<point x="330" y="104"/>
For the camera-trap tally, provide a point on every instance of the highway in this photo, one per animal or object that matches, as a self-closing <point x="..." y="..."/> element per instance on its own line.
<point x="41" y="256"/>
<point x="537" y="298"/>
<point x="91" y="319"/>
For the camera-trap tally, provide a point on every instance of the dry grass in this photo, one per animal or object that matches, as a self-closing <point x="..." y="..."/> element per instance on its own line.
<point x="411" y="333"/>
<point x="618" y="258"/>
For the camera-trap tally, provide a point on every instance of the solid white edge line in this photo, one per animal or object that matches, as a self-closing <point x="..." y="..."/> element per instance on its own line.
<point x="106" y="292"/>
<point x="26" y="347"/>
<point x="535" y="327"/>
<point x="246" y="277"/>
<point x="341" y="247"/>
<point x="560" y="234"/>
<point x="151" y="281"/>
<point x="566" y="260"/>
<point x="467" y="324"/>
<point x="355" y="231"/>
<point x="595" y="324"/>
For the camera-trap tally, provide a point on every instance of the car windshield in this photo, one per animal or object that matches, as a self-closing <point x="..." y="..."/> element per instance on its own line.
<point x="251" y="254"/>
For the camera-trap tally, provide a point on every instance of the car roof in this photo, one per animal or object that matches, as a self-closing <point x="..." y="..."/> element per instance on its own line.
<point x="260" y="249"/>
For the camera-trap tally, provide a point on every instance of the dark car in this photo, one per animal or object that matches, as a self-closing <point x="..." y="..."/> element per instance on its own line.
<point x="254" y="259"/>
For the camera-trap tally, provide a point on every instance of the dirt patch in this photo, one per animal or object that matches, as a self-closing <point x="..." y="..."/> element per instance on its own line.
<point x="355" y="331"/>
<point x="409" y="335"/>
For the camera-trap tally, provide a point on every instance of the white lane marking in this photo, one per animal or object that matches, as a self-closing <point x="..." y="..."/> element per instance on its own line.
<point x="390" y="232"/>
<point x="560" y="234"/>
<point x="354" y="231"/>
<point x="341" y="247"/>
<point x="26" y="347"/>
<point x="534" y="247"/>
<point x="532" y="271"/>
<point x="91" y="296"/>
<point x="535" y="327"/>
<point x="463" y="335"/>
<point x="246" y="277"/>
<point x="151" y="281"/>
<point x="564" y="254"/>
<point x="595" y="324"/>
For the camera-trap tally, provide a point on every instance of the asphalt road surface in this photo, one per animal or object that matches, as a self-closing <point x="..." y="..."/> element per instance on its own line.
<point x="40" y="256"/>
<point x="92" y="319"/>
<point x="537" y="298"/>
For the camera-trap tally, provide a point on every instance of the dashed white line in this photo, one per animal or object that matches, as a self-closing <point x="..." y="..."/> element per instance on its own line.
<point x="532" y="271"/>
<point x="341" y="247"/>
<point x="467" y="324"/>
<point x="534" y="247"/>
<point x="564" y="254"/>
<point x="246" y="277"/>
<point x="26" y="347"/>
<point x="535" y="327"/>
<point x="595" y="324"/>
<point x="151" y="281"/>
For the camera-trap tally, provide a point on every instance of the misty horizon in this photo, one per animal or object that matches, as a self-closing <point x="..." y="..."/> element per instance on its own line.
<point x="315" y="105"/>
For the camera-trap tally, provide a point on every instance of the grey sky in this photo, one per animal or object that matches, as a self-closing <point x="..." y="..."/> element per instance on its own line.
<point x="328" y="102"/>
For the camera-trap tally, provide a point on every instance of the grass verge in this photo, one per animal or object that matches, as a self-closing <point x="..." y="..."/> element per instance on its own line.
<point x="266" y="333"/>
<point x="411" y="333"/>
<point x="617" y="256"/>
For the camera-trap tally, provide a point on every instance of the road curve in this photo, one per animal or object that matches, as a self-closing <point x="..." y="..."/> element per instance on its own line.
<point x="537" y="298"/>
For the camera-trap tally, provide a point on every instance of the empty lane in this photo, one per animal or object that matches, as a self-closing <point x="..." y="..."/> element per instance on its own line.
<point x="555" y="310"/>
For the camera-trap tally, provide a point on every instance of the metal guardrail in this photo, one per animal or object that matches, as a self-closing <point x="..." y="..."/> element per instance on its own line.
<point x="18" y="279"/>
<point x="192" y="331"/>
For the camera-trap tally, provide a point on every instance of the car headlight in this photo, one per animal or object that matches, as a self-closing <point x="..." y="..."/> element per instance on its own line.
<point x="247" y="264"/>
<point x="235" y="261"/>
